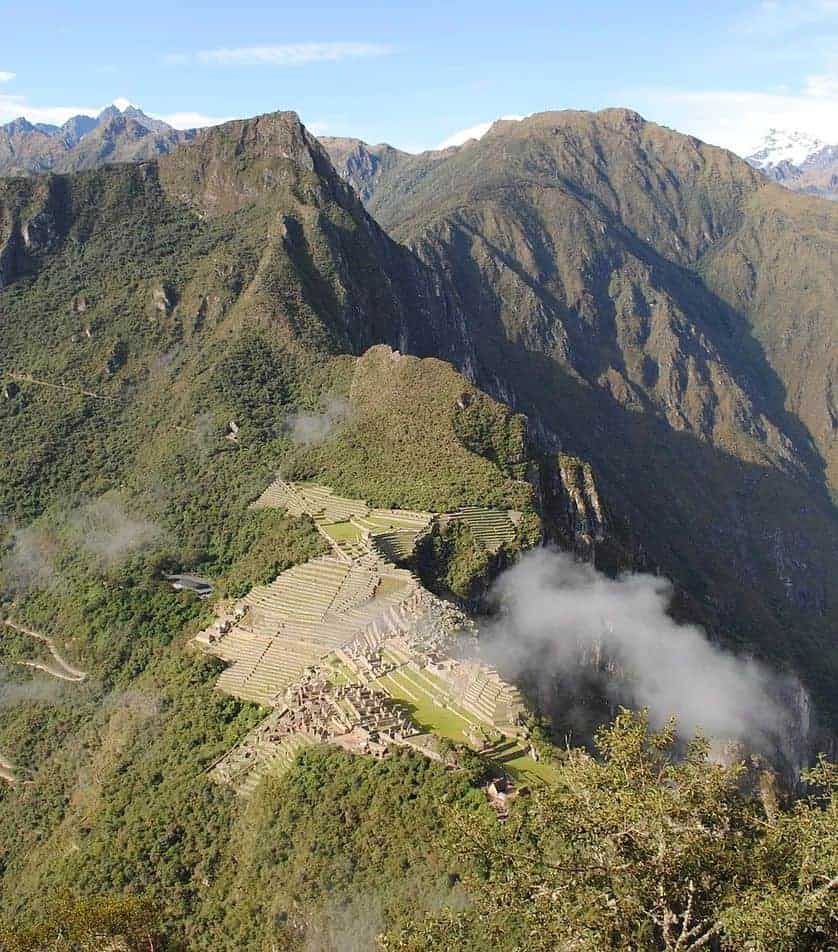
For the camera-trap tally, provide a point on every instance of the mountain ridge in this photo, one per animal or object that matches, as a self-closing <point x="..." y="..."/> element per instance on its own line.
<point x="117" y="134"/>
<point x="182" y="334"/>
<point x="602" y="258"/>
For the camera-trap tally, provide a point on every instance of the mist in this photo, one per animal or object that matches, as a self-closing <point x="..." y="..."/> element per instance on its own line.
<point x="31" y="560"/>
<point x="41" y="689"/>
<point x="310" y="428"/>
<point x="109" y="533"/>
<point x="560" y="618"/>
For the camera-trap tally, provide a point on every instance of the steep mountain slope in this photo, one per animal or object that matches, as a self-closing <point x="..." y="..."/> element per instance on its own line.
<point x="84" y="142"/>
<point x="360" y="164"/>
<point x="601" y="262"/>
<point x="164" y="324"/>
<point x="164" y="328"/>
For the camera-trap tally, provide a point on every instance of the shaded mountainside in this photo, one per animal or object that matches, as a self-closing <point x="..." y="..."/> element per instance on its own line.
<point x="84" y="142"/>
<point x="654" y="306"/>
<point x="360" y="164"/>
<point x="589" y="270"/>
<point x="175" y="332"/>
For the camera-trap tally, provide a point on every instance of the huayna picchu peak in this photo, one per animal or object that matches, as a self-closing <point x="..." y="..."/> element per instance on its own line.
<point x="412" y="549"/>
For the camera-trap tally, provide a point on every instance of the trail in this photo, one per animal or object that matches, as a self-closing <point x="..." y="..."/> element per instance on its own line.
<point x="62" y="669"/>
<point x="7" y="771"/>
<point x="27" y="378"/>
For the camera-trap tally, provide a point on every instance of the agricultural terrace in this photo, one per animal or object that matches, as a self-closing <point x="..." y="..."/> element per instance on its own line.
<point x="351" y="649"/>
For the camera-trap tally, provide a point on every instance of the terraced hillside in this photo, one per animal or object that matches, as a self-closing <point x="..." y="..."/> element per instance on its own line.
<point x="327" y="642"/>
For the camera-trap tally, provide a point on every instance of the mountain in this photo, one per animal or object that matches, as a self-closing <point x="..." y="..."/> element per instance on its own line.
<point x="780" y="150"/>
<point x="635" y="293"/>
<point x="360" y="164"/>
<point x="115" y="135"/>
<point x="798" y="161"/>
<point x="582" y="329"/>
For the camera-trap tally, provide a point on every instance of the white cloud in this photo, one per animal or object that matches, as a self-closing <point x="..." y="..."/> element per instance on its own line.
<point x="318" y="128"/>
<point x="6" y="76"/>
<point x="472" y="132"/>
<point x="738" y="119"/>
<point x="11" y="107"/>
<point x="190" y="120"/>
<point x="282" y="54"/>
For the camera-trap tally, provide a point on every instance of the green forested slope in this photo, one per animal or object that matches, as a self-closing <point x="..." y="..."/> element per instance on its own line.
<point x="162" y="327"/>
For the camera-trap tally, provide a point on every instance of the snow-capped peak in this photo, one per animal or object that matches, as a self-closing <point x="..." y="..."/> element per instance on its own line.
<point x="780" y="146"/>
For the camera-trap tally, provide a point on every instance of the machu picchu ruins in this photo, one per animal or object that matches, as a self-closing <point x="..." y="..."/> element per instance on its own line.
<point x="350" y="648"/>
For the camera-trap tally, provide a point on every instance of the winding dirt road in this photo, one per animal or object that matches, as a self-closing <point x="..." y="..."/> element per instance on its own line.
<point x="62" y="669"/>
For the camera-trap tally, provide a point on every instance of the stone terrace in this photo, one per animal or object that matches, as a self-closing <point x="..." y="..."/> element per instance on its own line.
<point x="320" y="642"/>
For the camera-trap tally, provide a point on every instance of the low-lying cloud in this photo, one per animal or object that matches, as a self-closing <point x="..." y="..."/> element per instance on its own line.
<point x="41" y="689"/>
<point x="560" y="617"/>
<point x="110" y="533"/>
<point x="31" y="560"/>
<point x="103" y="529"/>
<point x="309" y="428"/>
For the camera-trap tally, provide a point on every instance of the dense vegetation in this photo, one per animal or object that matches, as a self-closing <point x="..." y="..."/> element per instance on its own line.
<point x="645" y="846"/>
<point x="171" y="336"/>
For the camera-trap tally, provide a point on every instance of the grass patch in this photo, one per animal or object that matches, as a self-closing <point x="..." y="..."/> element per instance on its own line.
<point x="342" y="531"/>
<point x="428" y="717"/>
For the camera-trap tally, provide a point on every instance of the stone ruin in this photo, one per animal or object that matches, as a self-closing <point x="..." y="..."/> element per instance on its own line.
<point x="314" y="644"/>
<point x="354" y="716"/>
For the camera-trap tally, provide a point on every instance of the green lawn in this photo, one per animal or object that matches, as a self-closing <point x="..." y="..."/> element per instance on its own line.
<point x="428" y="717"/>
<point x="342" y="531"/>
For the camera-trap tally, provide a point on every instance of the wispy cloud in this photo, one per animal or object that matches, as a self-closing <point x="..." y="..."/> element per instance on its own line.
<point x="191" y="120"/>
<point x="779" y="17"/>
<point x="796" y="40"/>
<point x="6" y="76"/>
<point x="13" y="106"/>
<point x="280" y="55"/>
<point x="472" y="132"/>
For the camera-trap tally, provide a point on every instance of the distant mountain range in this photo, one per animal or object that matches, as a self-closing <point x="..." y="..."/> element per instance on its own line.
<point x="115" y="135"/>
<point x="124" y="133"/>
<point x="799" y="161"/>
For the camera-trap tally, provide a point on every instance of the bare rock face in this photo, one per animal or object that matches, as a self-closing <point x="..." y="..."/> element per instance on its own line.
<point x="163" y="299"/>
<point x="586" y="513"/>
<point x="360" y="164"/>
<point x="39" y="233"/>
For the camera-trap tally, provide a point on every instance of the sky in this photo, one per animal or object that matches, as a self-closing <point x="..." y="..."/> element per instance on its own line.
<point x="417" y="74"/>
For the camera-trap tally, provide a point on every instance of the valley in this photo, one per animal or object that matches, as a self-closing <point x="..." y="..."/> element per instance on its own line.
<point x="352" y="393"/>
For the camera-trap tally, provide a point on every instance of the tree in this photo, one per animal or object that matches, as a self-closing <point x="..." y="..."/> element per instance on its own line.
<point x="127" y="923"/>
<point x="643" y="849"/>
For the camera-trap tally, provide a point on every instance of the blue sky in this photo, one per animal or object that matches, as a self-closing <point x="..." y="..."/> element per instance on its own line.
<point x="414" y="73"/>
